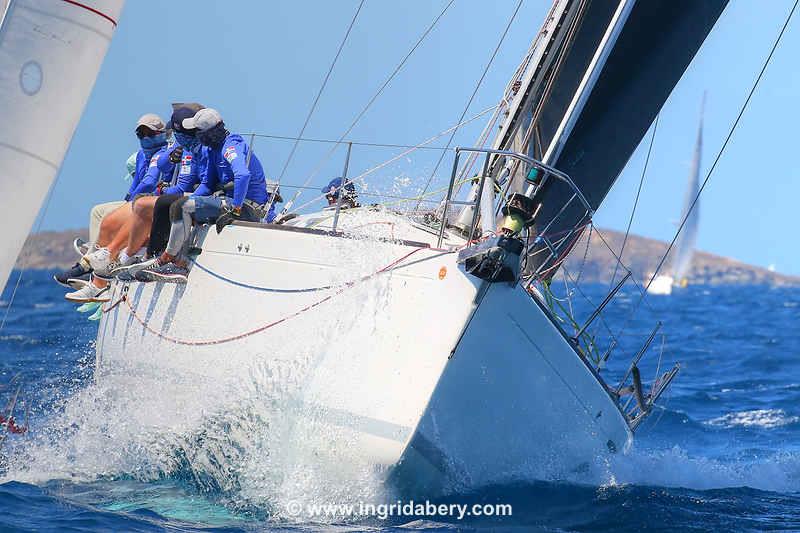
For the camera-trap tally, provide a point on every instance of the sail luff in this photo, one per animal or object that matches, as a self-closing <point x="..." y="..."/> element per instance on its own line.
<point x="656" y="45"/>
<point x="586" y="85"/>
<point x="688" y="238"/>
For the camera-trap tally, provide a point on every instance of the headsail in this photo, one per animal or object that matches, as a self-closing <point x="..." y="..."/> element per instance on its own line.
<point x="635" y="74"/>
<point x="50" y="55"/>
<point x="685" y="244"/>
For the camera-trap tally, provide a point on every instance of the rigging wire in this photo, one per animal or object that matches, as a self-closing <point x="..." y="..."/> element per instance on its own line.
<point x="361" y="176"/>
<point x="321" y="89"/>
<point x="331" y="141"/>
<point x="472" y="97"/>
<point x="361" y="114"/>
<point x="718" y="157"/>
<point x="636" y="201"/>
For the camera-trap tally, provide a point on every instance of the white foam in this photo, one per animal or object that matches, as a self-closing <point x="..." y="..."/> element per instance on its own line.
<point x="763" y="418"/>
<point x="248" y="434"/>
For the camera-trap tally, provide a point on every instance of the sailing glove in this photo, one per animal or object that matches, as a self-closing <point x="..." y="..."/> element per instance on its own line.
<point x="176" y="155"/>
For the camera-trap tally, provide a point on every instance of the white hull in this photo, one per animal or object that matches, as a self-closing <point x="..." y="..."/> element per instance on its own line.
<point x="661" y="285"/>
<point x="402" y="369"/>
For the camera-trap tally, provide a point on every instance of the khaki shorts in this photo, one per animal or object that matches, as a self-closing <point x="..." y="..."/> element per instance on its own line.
<point x="96" y="217"/>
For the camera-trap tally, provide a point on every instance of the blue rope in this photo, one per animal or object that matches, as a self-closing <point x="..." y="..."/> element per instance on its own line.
<point x="256" y="287"/>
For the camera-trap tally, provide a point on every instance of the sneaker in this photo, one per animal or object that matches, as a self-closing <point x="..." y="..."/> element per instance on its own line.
<point x="80" y="281"/>
<point x="98" y="260"/>
<point x="167" y="273"/>
<point x="105" y="273"/>
<point x="77" y="270"/>
<point x="83" y="247"/>
<point x="89" y="293"/>
<point x="126" y="265"/>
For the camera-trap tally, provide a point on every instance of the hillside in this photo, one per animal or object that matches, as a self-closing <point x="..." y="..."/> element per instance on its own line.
<point x="53" y="250"/>
<point x="642" y="256"/>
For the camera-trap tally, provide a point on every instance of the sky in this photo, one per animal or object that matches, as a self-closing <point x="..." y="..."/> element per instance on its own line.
<point x="261" y="63"/>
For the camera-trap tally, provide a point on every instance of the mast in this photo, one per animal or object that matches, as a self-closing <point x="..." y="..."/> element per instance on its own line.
<point x="688" y="238"/>
<point x="50" y="55"/>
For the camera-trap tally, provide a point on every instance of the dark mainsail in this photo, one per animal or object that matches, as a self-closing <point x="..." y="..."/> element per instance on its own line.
<point x="654" y="47"/>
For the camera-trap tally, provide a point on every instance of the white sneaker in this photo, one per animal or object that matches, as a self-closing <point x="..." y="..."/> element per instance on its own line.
<point x="106" y="273"/>
<point x="98" y="260"/>
<point x="89" y="293"/>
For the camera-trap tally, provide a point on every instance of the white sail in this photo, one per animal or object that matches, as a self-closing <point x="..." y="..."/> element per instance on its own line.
<point x="50" y="55"/>
<point x="684" y="247"/>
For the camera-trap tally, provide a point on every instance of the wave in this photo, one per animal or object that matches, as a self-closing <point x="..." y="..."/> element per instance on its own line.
<point x="763" y="418"/>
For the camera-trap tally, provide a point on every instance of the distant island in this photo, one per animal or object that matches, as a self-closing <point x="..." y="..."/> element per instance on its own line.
<point x="53" y="250"/>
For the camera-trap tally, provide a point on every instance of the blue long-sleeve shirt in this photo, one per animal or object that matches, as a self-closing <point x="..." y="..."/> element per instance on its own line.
<point x="228" y="164"/>
<point x="188" y="173"/>
<point x="148" y="172"/>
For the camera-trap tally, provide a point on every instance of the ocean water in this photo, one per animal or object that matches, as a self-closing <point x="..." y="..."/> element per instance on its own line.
<point x="721" y="453"/>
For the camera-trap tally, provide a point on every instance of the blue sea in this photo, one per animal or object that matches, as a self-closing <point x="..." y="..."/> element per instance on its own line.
<point x="720" y="453"/>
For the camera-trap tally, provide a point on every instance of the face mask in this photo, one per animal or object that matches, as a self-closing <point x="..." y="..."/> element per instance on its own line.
<point x="189" y="142"/>
<point x="152" y="144"/>
<point x="213" y="137"/>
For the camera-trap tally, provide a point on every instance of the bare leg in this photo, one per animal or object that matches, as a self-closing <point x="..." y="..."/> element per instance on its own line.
<point x="112" y="223"/>
<point x="142" y="221"/>
<point x="97" y="215"/>
<point x="120" y="240"/>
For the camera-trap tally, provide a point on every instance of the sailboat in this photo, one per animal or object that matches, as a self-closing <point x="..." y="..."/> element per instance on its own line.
<point x="678" y="273"/>
<point x="430" y="351"/>
<point x="50" y="55"/>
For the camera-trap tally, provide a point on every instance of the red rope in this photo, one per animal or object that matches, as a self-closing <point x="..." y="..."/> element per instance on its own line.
<point x="212" y="342"/>
<point x="121" y="299"/>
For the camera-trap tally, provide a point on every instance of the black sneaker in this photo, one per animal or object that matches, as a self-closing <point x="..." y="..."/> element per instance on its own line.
<point x="168" y="273"/>
<point x="80" y="281"/>
<point x="76" y="271"/>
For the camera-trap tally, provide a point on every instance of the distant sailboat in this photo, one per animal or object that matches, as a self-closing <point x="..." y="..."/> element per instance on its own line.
<point x="50" y="54"/>
<point x="677" y="275"/>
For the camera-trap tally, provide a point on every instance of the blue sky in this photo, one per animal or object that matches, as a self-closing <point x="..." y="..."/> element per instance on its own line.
<point x="261" y="63"/>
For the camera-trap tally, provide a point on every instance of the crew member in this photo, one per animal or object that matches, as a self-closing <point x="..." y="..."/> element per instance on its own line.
<point x="233" y="187"/>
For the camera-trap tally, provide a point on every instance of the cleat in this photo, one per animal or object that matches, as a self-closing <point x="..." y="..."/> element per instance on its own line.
<point x="89" y="293"/>
<point x="76" y="272"/>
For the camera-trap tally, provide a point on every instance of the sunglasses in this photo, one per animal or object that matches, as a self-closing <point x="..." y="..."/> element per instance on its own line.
<point x="144" y="131"/>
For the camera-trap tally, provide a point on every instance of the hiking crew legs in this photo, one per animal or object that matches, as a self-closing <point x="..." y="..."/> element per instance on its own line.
<point x="142" y="221"/>
<point x="180" y="215"/>
<point x="160" y="228"/>
<point x="97" y="215"/>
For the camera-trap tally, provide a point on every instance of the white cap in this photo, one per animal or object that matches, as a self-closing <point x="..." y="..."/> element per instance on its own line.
<point x="152" y="121"/>
<point x="203" y="120"/>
